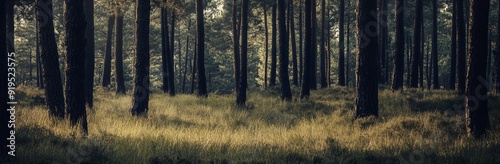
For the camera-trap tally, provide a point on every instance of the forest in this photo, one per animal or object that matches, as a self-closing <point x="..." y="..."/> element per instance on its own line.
<point x="241" y="81"/>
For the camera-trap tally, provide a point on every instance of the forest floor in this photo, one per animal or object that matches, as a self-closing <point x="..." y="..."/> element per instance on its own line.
<point x="413" y="127"/>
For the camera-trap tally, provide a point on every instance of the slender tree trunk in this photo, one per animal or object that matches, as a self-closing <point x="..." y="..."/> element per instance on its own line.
<point x="286" y="94"/>
<point x="347" y="54"/>
<point x="165" y="54"/>
<point x="429" y="68"/>
<point x="408" y="62"/>
<point x="194" y="68"/>
<point x="421" y="60"/>
<point x="170" y="58"/>
<point x="89" y="53"/>
<point x="31" y="68"/>
<point x="476" y="109"/>
<point x="200" y="27"/>
<point x="341" y="45"/>
<point x="461" y="47"/>
<point x="242" y="91"/>
<point x="322" y="56"/>
<point x="140" y="97"/>
<point x="417" y="29"/>
<point x="301" y="44"/>
<point x="453" y="58"/>
<point x="295" y="71"/>
<point x="50" y="60"/>
<point x="314" y="47"/>
<point x="186" y="60"/>
<point x="120" y="80"/>
<point x="272" y="81"/>
<point x="435" y="71"/>
<point x="497" y="55"/>
<point x="399" y="58"/>
<point x="308" y="63"/>
<point x="236" y="49"/>
<point x="366" y="68"/>
<point x="106" y="76"/>
<point x="75" y="49"/>
<point x="266" y="46"/>
<point x="39" y="71"/>
<point x="385" y="40"/>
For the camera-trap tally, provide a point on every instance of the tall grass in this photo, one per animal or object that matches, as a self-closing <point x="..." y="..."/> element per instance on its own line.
<point x="413" y="126"/>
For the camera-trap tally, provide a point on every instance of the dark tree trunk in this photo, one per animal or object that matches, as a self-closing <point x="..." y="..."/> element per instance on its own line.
<point x="286" y="94"/>
<point x="186" y="60"/>
<point x="106" y="76"/>
<point x="308" y="63"/>
<point x="39" y="70"/>
<point x="170" y="62"/>
<point x="200" y="27"/>
<point x="476" y="109"/>
<point x="236" y="50"/>
<point x="301" y="42"/>
<point x="295" y="71"/>
<point x="50" y="60"/>
<point x="429" y="68"/>
<point x="5" y="116"/>
<point x="497" y="55"/>
<point x="165" y="52"/>
<point x="408" y="61"/>
<point x="347" y="54"/>
<point x="417" y="36"/>
<point x="385" y="40"/>
<point x="314" y="46"/>
<point x="140" y="97"/>
<point x="75" y="49"/>
<point x="10" y="25"/>
<point x="193" y="66"/>
<point x="341" y="45"/>
<point x="242" y="91"/>
<point x="435" y="71"/>
<point x="399" y="58"/>
<point x="366" y="68"/>
<point x="120" y="80"/>
<point x="272" y="81"/>
<point x="461" y="47"/>
<point x="322" y="56"/>
<point x="421" y="60"/>
<point x="453" y="55"/>
<point x="266" y="46"/>
<point x="89" y="52"/>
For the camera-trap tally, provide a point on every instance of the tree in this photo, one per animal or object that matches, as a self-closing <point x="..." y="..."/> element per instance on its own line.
<point x="399" y="56"/>
<point x="384" y="71"/>
<point x="301" y="43"/>
<point x="453" y="55"/>
<point x="286" y="94"/>
<point x="314" y="46"/>
<point x="120" y="80"/>
<point x="460" y="47"/>
<point x="497" y="55"/>
<point x="476" y="107"/>
<point x="242" y="95"/>
<point x="435" y="71"/>
<point x="322" y="56"/>
<point x="272" y="81"/>
<point x="106" y="75"/>
<point x="200" y="27"/>
<point x="75" y="48"/>
<point x="170" y="57"/>
<point x="295" y="71"/>
<point x="38" y="61"/>
<point x="347" y="55"/>
<point x="140" y="97"/>
<point x="341" y="45"/>
<point x="308" y="59"/>
<point x="366" y="67"/>
<point x="50" y="59"/>
<point x="236" y="50"/>
<point x="266" y="45"/>
<point x="89" y="52"/>
<point x="417" y="36"/>
<point x="165" y="49"/>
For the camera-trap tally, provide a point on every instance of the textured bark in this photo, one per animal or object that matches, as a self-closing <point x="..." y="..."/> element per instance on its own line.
<point x="301" y="43"/>
<point x="165" y="49"/>
<point x="75" y="49"/>
<point x="399" y="58"/>
<point x="140" y="97"/>
<point x="366" y="68"/>
<point x="200" y="27"/>
<point x="341" y="45"/>
<point x="453" y="55"/>
<point x="460" y="47"/>
<point x="106" y="75"/>
<point x="272" y="80"/>
<point x="435" y="71"/>
<point x="242" y="91"/>
<point x="266" y="46"/>
<point x="322" y="56"/>
<point x="476" y="109"/>
<point x="417" y="36"/>
<point x="286" y="94"/>
<point x="120" y="80"/>
<point x="314" y="47"/>
<point x="236" y="49"/>
<point x="89" y="52"/>
<point x="308" y="63"/>
<point x="54" y="96"/>
<point x="295" y="71"/>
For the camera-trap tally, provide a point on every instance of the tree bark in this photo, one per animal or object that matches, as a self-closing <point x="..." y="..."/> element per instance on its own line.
<point x="200" y="27"/>
<point x="106" y="76"/>
<point x="461" y="47"/>
<point x="399" y="58"/>
<point x="476" y="109"/>
<point x="453" y="55"/>
<point x="140" y="97"/>
<point x="242" y="95"/>
<point x="89" y="52"/>
<point x="497" y="55"/>
<point x="435" y="71"/>
<point x="194" y="68"/>
<point x="322" y="56"/>
<point x="417" y="29"/>
<point x="366" y="68"/>
<point x="301" y="43"/>
<point x="295" y="71"/>
<point x="314" y="47"/>
<point x="186" y="61"/>
<point x="308" y="63"/>
<point x="272" y="81"/>
<point x="120" y="80"/>
<point x="236" y="50"/>
<point x="39" y="70"/>
<point x="75" y="49"/>
<point x="267" y="46"/>
<point x="170" y="62"/>
<point x="348" y="52"/>
<point x="341" y="45"/>
<point x="286" y="94"/>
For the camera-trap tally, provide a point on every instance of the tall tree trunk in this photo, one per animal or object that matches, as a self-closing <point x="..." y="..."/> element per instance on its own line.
<point x="194" y="68"/>
<point x="348" y="52"/>
<point x="140" y="97"/>
<point x="322" y="56"/>
<point x="186" y="60"/>
<point x="461" y="47"/>
<point x="435" y="71"/>
<point x="366" y="67"/>
<point x="242" y="91"/>
<point x="39" y="70"/>
<point x="236" y="49"/>
<point x="106" y="75"/>
<point x="314" y="46"/>
<point x="497" y="54"/>
<point x="120" y="80"/>
<point x="417" y="29"/>
<point x="408" y="61"/>
<point x="75" y="49"/>
<point x="385" y="40"/>
<point x="170" y="61"/>
<point x="476" y="109"/>
<point x="50" y="59"/>
<point x="272" y="81"/>
<point x="200" y="29"/>
<point x="295" y="71"/>
<point x="301" y="44"/>
<point x="10" y="25"/>
<point x="31" y="68"/>
<point x="308" y="63"/>
<point x="453" y="55"/>
<point x="266" y="46"/>
<point x="286" y="94"/>
<point x="341" y="45"/>
<point x="89" y="52"/>
<point x="165" y="49"/>
<point x="399" y="58"/>
<point x="421" y="60"/>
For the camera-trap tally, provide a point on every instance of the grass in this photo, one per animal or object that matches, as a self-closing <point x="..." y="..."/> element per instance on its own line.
<point x="413" y="126"/>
